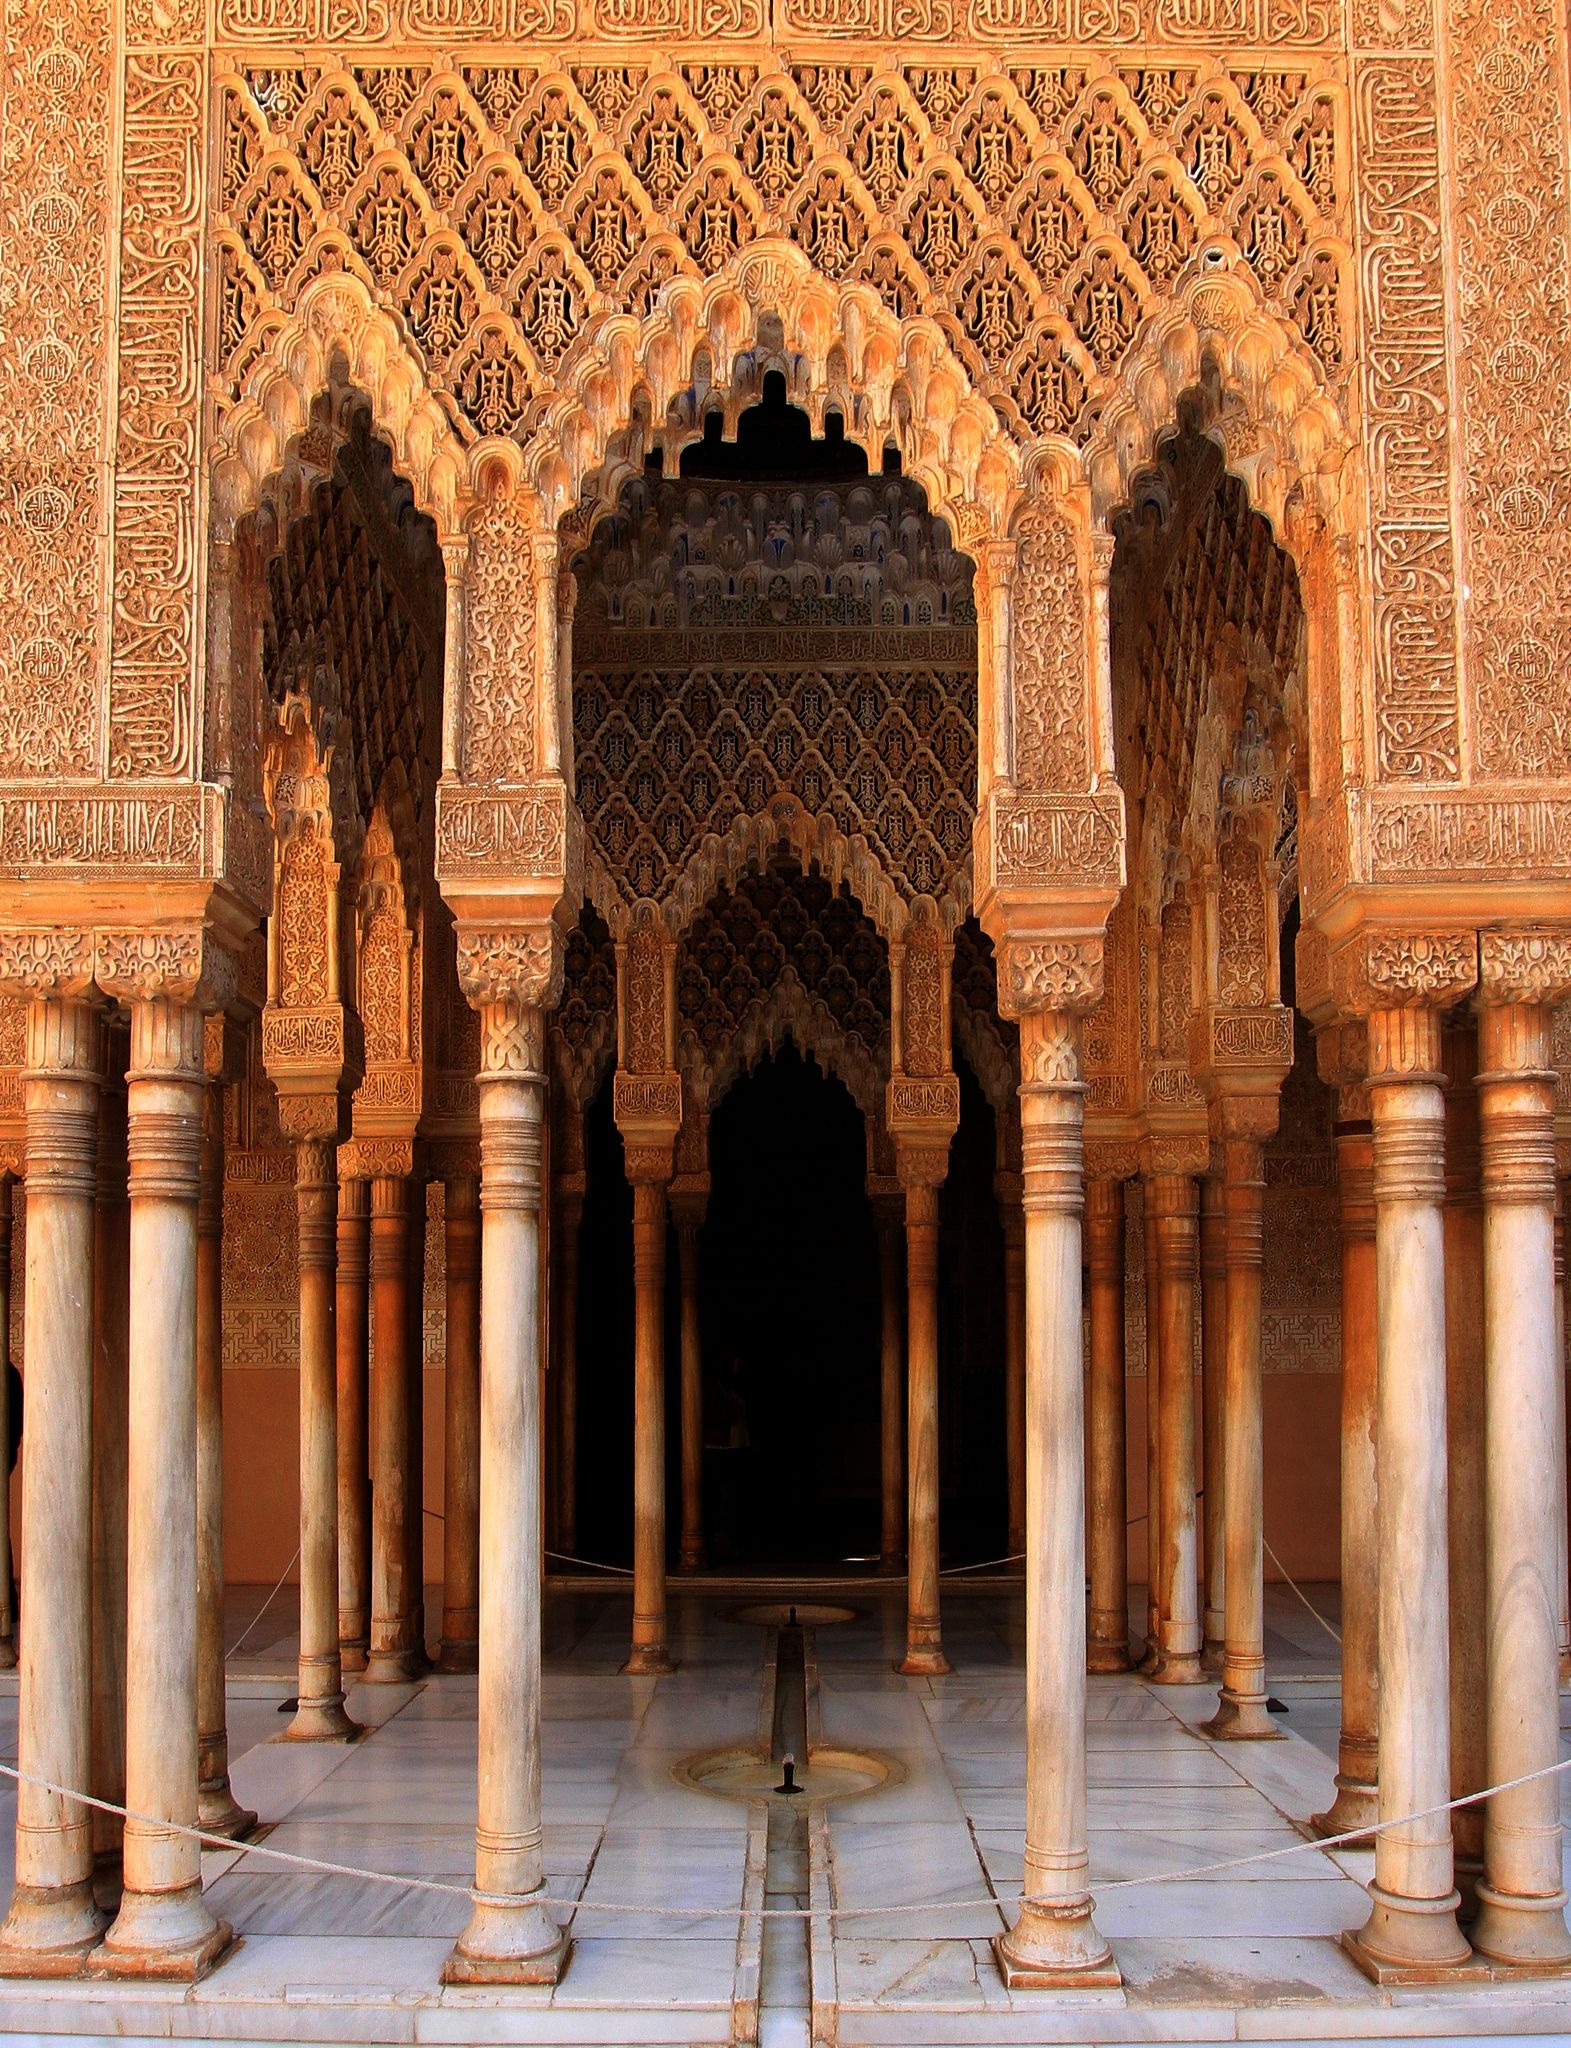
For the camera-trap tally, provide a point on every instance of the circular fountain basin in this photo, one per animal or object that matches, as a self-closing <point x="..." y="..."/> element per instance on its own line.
<point x="827" y="1774"/>
<point x="777" y="1613"/>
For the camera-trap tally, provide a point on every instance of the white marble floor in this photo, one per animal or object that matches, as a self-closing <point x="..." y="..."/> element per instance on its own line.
<point x="934" y="1855"/>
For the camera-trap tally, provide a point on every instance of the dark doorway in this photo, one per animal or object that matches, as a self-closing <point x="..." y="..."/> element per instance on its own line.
<point x="791" y="1323"/>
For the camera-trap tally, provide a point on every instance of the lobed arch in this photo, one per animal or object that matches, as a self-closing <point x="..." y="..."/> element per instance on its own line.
<point x="787" y="1014"/>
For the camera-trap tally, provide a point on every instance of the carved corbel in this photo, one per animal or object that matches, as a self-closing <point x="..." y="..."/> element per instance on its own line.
<point x="185" y="965"/>
<point x="1397" y="970"/>
<point x="1524" y="967"/>
<point x="46" y="964"/>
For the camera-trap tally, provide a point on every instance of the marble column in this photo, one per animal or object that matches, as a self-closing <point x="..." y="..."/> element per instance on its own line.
<point x="1013" y="1221"/>
<point x="924" y="1651"/>
<point x="1521" y="1896"/>
<point x="1107" y="1647"/>
<point x="689" y="1217"/>
<point x="1412" y="1924"/>
<point x="7" y="1610"/>
<point x="164" y="1927"/>
<point x="650" y="1648"/>
<point x="351" y="1315"/>
<point x="1213" y="1372"/>
<point x="570" y="1221"/>
<point x="1151" y="1654"/>
<point x="891" y="1386"/>
<point x="1463" y="1227"/>
<point x="461" y="1433"/>
<point x="1562" y="1504"/>
<point x="217" y="1808"/>
<point x="414" y="1485"/>
<point x="392" y="1659"/>
<point x="111" y="1429"/>
<point x="53" y="1920"/>
<point x="1175" y="1205"/>
<point x="511" y="1937"/>
<point x="320" y="1714"/>
<point x="1358" y="1744"/>
<point x="1055" y="1940"/>
<point x="1241" y="1709"/>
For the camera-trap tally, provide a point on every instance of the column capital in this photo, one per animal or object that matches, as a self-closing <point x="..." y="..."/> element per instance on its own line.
<point x="184" y="964"/>
<point x="168" y="1041"/>
<point x="1524" y="967"/>
<point x="647" y="1109"/>
<point x="516" y="964"/>
<point x="1063" y="975"/>
<point x="1388" y="970"/>
<point x="47" y="965"/>
<point x="1405" y="1045"/>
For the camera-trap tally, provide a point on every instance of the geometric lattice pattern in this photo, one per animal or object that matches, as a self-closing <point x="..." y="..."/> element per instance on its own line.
<point x="1037" y="216"/>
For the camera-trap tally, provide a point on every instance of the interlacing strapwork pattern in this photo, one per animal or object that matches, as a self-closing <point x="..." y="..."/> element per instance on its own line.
<point x="705" y="710"/>
<point x="583" y="1024"/>
<point x="1037" y="216"/>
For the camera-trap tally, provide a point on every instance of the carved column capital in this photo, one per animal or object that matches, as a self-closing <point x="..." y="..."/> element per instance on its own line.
<point x="1062" y="975"/>
<point x="1383" y="970"/>
<point x="1524" y="967"/>
<point x="183" y="965"/>
<point x="519" y="964"/>
<point x="51" y="964"/>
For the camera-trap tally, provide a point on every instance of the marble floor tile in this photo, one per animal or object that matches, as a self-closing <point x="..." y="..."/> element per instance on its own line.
<point x="614" y="1970"/>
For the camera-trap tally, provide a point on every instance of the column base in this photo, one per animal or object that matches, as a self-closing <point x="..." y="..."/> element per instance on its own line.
<point x="1356" y="1805"/>
<point x="1213" y="1655"/>
<point x="1526" y="1934"/>
<point x="218" y="1812"/>
<point x="649" y="1660"/>
<point x="323" y="1720"/>
<point x="351" y="1656"/>
<point x="170" y="1937"/>
<point x="1176" y="1667"/>
<point x="1565" y="1669"/>
<point x="508" y="1941"/>
<point x="458" y="1656"/>
<point x="1241" y="1718"/>
<point x="1150" y="1658"/>
<point x="924" y="1660"/>
<point x="1056" y="1949"/>
<point x="1103" y="1658"/>
<point x="394" y="1667"/>
<point x="51" y="1930"/>
<point x="1408" y="1941"/>
<point x="690" y="1558"/>
<point x="7" y="1653"/>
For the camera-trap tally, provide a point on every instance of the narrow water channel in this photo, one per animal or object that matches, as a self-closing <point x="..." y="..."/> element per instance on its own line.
<point x="785" y="1985"/>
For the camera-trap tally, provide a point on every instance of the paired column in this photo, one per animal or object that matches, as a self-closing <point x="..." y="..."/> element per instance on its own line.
<point x="461" y="1434"/>
<point x="1241" y="1711"/>
<point x="1521" y="1898"/>
<point x="1011" y="1216"/>
<point x="922" y="1175"/>
<point x="1358" y="1744"/>
<point x="511" y="1937"/>
<point x="891" y="1386"/>
<point x="1412" y="1924"/>
<point x="352" y="1321"/>
<point x="1107" y="1648"/>
<point x="320" y="1715"/>
<point x="1175" y="1219"/>
<point x="111" y="1431"/>
<point x="164" y="1927"/>
<point x="217" y="1808"/>
<point x="1055" y="1939"/>
<point x="650" y="1649"/>
<point x="1213" y="1373"/>
<point x="53" y="1920"/>
<point x="689" y="1216"/>
<point x="394" y="1655"/>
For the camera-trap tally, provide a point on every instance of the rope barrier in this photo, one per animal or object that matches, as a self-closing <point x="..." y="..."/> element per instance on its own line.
<point x="251" y="1624"/>
<point x="322" y="1867"/>
<point x="1303" y="1596"/>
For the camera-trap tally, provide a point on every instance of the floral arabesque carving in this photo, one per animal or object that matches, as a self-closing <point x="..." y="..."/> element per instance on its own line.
<point x="501" y="660"/>
<point x="583" y="1026"/>
<point x="520" y="965"/>
<point x="1049" y="974"/>
<point x="1524" y="967"/>
<point x="1048" y="617"/>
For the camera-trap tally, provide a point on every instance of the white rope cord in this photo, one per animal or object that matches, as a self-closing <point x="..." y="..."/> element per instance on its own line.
<point x="251" y="1624"/>
<point x="1303" y="1596"/>
<point x="1359" y="1835"/>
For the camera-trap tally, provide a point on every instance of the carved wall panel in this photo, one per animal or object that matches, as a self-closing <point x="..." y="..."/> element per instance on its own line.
<point x="55" y="93"/>
<point x="583" y="1024"/>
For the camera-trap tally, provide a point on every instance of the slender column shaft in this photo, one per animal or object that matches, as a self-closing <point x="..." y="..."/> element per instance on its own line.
<point x="461" y="1437"/>
<point x="111" y="1428"/>
<point x="570" y="1222"/>
<point x="692" y="1362"/>
<point x="1463" y="1226"/>
<point x="7" y="1611"/>
<point x="217" y="1808"/>
<point x="1055" y="1938"/>
<point x="164" y="1927"/>
<point x="414" y="1463"/>
<point x="53" y="1919"/>
<point x="1176" y="1213"/>
<point x="1358" y="1743"/>
<point x="1015" y="1371"/>
<point x="924" y="1633"/>
<point x="320" y="1716"/>
<point x="891" y="1387"/>
<point x="1521" y="1897"/>
<point x="391" y="1660"/>
<point x="1108" y="1645"/>
<point x="1153" y="1361"/>
<point x="352" y="1320"/>
<point x="1213" y="1371"/>
<point x="1562" y="1520"/>
<point x="1241" y="1710"/>
<point x="650" y="1649"/>
<point x="1412" y="1923"/>
<point x="511" y="1938"/>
